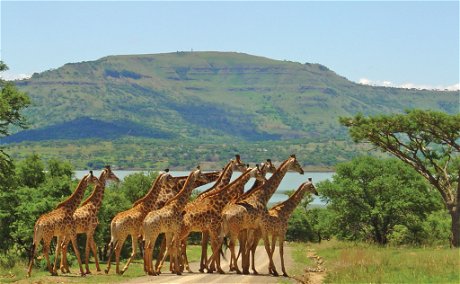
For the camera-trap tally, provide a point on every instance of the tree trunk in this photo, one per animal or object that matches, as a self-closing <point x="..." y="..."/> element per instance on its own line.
<point x="455" y="214"/>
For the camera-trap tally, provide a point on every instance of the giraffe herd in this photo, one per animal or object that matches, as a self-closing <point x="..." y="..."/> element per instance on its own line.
<point x="223" y="210"/>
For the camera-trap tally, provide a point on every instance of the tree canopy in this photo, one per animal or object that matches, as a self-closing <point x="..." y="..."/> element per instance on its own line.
<point x="369" y="197"/>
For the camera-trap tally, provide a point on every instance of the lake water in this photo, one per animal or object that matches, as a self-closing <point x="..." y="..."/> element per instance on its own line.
<point x="290" y="182"/>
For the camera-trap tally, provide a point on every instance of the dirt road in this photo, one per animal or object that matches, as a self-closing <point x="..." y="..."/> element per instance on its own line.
<point x="229" y="277"/>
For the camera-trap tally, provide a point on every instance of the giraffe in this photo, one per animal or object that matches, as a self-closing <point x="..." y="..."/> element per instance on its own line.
<point x="246" y="213"/>
<point x="85" y="218"/>
<point x="167" y="220"/>
<point x="266" y="167"/>
<point x="59" y="222"/>
<point x="224" y="180"/>
<point x="275" y="223"/>
<point x="206" y="214"/>
<point x="129" y="222"/>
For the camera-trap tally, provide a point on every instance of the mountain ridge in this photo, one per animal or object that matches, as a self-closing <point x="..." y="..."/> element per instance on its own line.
<point x="212" y="96"/>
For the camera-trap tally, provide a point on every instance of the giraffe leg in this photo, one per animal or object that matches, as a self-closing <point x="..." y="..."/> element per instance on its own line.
<point x="271" y="266"/>
<point x="233" y="238"/>
<point x="216" y="243"/>
<point x="148" y="252"/>
<point x="272" y="250"/>
<point x="87" y="248"/>
<point x="60" y="241"/>
<point x="77" y="252"/>
<point x="117" y="254"/>
<point x="175" y="245"/>
<point x="281" y="245"/>
<point x="46" y="251"/>
<point x="94" y="250"/>
<point x="255" y="242"/>
<point x="31" y="259"/>
<point x="64" y="264"/>
<point x="204" y="251"/>
<point x="112" y="246"/>
<point x="133" y="253"/>
<point x="245" y="252"/>
<point x="165" y="254"/>
<point x="162" y="252"/>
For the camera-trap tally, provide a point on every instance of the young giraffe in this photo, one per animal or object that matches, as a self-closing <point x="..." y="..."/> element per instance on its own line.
<point x="206" y="215"/>
<point x="129" y="222"/>
<point x="246" y="213"/>
<point x="224" y="180"/>
<point x="275" y="224"/>
<point x="167" y="220"/>
<point x="85" y="218"/>
<point x="59" y="222"/>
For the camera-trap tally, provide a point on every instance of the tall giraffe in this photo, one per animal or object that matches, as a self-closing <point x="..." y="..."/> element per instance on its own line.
<point x="167" y="220"/>
<point x="129" y="222"/>
<point x="246" y="213"/>
<point x="85" y="218"/>
<point x="266" y="167"/>
<point x="275" y="223"/>
<point x="206" y="215"/>
<point x="59" y="222"/>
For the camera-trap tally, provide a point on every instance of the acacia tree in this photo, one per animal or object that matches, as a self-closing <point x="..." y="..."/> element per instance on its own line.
<point x="428" y="141"/>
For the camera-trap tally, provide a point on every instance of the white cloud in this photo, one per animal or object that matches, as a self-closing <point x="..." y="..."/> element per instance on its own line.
<point x="10" y="76"/>
<point x="408" y="85"/>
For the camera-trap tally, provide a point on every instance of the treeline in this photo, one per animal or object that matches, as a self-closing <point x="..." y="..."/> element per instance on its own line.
<point x="381" y="201"/>
<point x="140" y="153"/>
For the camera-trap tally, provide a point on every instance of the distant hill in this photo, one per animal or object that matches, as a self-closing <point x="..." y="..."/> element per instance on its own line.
<point x="211" y="96"/>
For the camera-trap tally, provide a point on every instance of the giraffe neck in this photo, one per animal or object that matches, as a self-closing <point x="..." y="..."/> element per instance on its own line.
<point x="149" y="199"/>
<point x="222" y="180"/>
<point x="73" y="201"/>
<point x="231" y="191"/>
<point x="98" y="193"/>
<point x="265" y="192"/>
<point x="286" y="208"/>
<point x="180" y="200"/>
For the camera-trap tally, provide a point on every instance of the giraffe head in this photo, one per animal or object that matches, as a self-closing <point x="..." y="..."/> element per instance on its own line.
<point x="311" y="187"/>
<point x="109" y="175"/>
<point x="198" y="175"/>
<point x="165" y="178"/>
<point x="295" y="166"/>
<point x="238" y="165"/>
<point x="268" y="167"/>
<point x="91" y="179"/>
<point x="258" y="173"/>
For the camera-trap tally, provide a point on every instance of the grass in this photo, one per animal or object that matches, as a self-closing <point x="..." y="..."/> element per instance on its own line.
<point x="363" y="263"/>
<point x="344" y="263"/>
<point x="17" y="274"/>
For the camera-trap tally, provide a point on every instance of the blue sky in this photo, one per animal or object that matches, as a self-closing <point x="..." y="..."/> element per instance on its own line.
<point x="411" y="44"/>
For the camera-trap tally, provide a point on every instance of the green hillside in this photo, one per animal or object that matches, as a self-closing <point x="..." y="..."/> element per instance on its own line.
<point x="177" y="109"/>
<point x="212" y="96"/>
